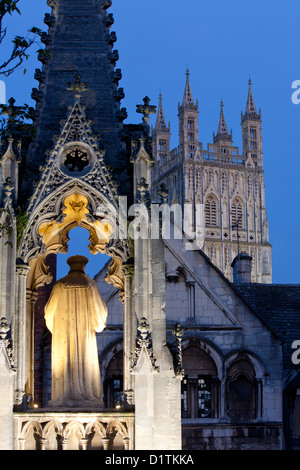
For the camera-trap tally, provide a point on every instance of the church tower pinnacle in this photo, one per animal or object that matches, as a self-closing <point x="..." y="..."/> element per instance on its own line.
<point x="188" y="122"/>
<point x="187" y="97"/>
<point x="161" y="135"/>
<point x="251" y="130"/>
<point x="222" y="133"/>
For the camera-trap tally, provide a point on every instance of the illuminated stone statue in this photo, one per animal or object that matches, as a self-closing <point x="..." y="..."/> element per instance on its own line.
<point x="74" y="313"/>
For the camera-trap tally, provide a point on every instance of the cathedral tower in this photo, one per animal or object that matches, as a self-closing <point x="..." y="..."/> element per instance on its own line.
<point x="229" y="185"/>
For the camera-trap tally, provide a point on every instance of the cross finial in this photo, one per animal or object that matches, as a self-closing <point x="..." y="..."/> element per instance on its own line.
<point x="78" y="86"/>
<point x="12" y="112"/>
<point x="146" y="109"/>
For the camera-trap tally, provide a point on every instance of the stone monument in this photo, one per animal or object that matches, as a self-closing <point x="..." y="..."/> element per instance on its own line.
<point x="74" y="313"/>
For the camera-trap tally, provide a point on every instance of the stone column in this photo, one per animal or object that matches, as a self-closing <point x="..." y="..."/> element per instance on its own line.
<point x="105" y="442"/>
<point x="42" y="443"/>
<point x="19" y="332"/>
<point x="7" y="376"/>
<point x="84" y="444"/>
<point x="129" y="332"/>
<point x="191" y="298"/>
<point x="64" y="443"/>
<point x="126" y="441"/>
<point x="21" y="443"/>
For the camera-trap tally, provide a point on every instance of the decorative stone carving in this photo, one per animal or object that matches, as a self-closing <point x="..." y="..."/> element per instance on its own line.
<point x="66" y="432"/>
<point x="115" y="276"/>
<point x="6" y="345"/>
<point x="144" y="341"/>
<point x="178" y="333"/>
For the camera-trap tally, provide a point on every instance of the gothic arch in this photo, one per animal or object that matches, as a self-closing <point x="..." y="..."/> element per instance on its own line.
<point x="96" y="427"/>
<point x="116" y="427"/>
<point x="237" y="211"/>
<point x="52" y="210"/>
<point x="243" y="387"/>
<point x="211" y="209"/>
<point x="256" y="362"/>
<point x="209" y="349"/>
<point x="74" y="427"/>
<point x="71" y="206"/>
<point x="52" y="427"/>
<point x="109" y="353"/>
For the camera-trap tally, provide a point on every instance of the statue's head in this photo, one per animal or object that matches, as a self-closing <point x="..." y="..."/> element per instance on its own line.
<point x="77" y="263"/>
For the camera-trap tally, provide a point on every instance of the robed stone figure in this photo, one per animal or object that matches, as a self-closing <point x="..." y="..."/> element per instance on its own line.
<point x="74" y="313"/>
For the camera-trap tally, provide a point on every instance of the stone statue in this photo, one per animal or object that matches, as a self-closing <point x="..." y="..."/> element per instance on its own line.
<point x="74" y="313"/>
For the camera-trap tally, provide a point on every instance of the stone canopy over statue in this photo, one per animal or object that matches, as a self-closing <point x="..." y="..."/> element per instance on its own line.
<point x="74" y="313"/>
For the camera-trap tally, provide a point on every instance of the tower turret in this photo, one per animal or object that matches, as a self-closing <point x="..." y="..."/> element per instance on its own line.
<point x="222" y="133"/>
<point x="161" y="135"/>
<point x="188" y="122"/>
<point x="251" y="131"/>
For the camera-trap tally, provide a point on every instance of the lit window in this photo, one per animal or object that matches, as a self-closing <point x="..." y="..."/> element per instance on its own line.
<point x="204" y="397"/>
<point x="200" y="386"/>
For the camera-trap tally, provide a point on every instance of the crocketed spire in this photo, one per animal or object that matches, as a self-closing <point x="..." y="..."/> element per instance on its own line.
<point x="250" y="106"/>
<point x="160" y="118"/>
<point x="187" y="97"/>
<point x="79" y="59"/>
<point x="222" y="128"/>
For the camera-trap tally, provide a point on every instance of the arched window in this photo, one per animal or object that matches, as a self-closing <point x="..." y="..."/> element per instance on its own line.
<point x="211" y="211"/>
<point x="200" y="385"/>
<point x="241" y="391"/>
<point x="237" y="213"/>
<point x="113" y="384"/>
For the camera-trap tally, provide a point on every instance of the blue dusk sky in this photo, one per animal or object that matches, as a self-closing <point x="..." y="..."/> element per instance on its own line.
<point x="222" y="44"/>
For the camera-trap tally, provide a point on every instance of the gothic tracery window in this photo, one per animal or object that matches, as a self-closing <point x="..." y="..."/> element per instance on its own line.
<point x="76" y="160"/>
<point x="237" y="213"/>
<point x="211" y="213"/>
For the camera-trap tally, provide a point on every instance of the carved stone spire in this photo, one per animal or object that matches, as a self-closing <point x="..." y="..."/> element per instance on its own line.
<point x="161" y="134"/>
<point x="160" y="118"/>
<point x="250" y="106"/>
<point x="222" y="133"/>
<point x="251" y="111"/>
<point x="79" y="44"/>
<point x="187" y="96"/>
<point x="222" y="128"/>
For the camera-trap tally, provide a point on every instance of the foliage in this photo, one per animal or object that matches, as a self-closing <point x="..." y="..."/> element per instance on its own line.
<point x="17" y="123"/>
<point x="20" y="44"/>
